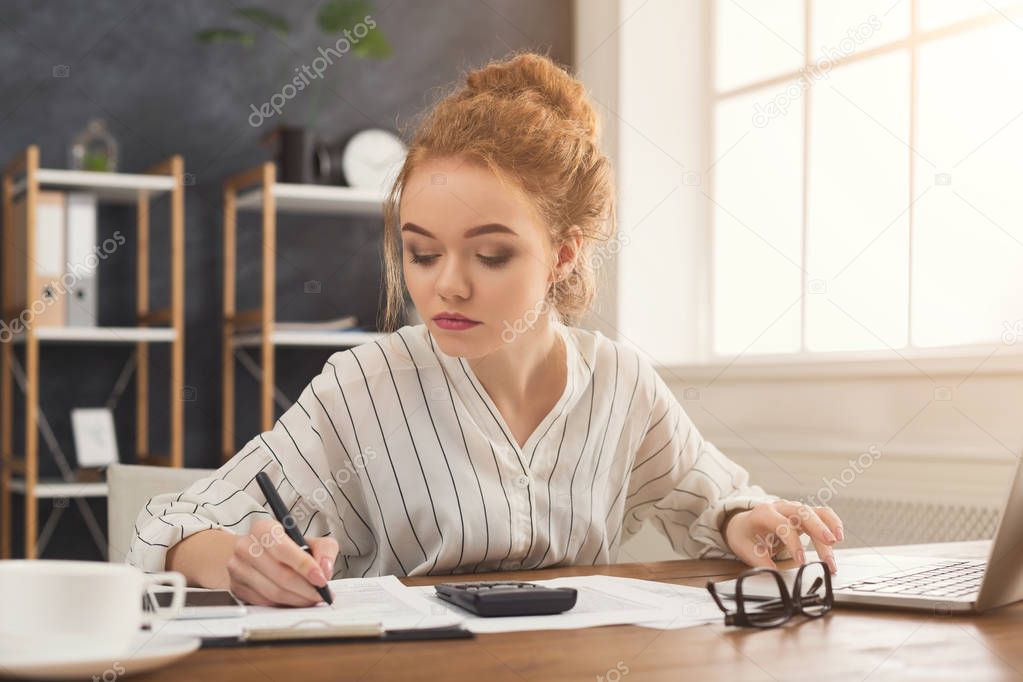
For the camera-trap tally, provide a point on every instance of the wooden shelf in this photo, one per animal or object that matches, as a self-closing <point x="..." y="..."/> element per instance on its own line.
<point x="50" y="488"/>
<point x="101" y="335"/>
<point x="114" y="187"/>
<point x="256" y="190"/>
<point x="23" y="176"/>
<point x="292" y="337"/>
<point x="322" y="199"/>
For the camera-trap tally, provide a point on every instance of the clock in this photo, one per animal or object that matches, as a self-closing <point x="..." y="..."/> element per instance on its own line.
<point x="372" y="158"/>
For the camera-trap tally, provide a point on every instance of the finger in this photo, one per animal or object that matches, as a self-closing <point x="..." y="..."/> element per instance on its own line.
<point x="268" y="588"/>
<point x="246" y="594"/>
<point x="828" y="516"/>
<point x="756" y="551"/>
<point x="283" y="549"/>
<point x="241" y="567"/>
<point x="285" y="577"/>
<point x="760" y="553"/>
<point x="789" y="535"/>
<point x="805" y="518"/>
<point x="325" y="552"/>
<point x="827" y="555"/>
<point x="241" y="587"/>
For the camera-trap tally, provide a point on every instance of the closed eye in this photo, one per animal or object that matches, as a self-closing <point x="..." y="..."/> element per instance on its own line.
<point x="425" y="260"/>
<point x="489" y="261"/>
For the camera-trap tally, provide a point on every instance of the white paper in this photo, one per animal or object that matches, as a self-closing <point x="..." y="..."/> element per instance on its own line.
<point x="602" y="600"/>
<point x="690" y="605"/>
<point x="383" y="600"/>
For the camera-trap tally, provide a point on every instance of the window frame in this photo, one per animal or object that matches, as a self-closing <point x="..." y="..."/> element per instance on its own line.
<point x="905" y="360"/>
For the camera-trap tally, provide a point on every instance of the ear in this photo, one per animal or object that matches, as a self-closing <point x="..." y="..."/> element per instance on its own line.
<point x="565" y="256"/>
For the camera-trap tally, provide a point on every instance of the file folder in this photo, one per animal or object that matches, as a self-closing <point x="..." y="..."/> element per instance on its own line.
<point x="80" y="233"/>
<point x="41" y="302"/>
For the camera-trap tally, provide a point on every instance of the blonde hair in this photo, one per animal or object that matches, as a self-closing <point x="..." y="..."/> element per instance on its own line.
<point x="529" y="121"/>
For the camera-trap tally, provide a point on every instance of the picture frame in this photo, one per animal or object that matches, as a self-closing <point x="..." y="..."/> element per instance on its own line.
<point x="94" y="436"/>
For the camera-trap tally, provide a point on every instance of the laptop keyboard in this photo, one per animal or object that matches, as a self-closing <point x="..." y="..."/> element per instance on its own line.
<point x="948" y="579"/>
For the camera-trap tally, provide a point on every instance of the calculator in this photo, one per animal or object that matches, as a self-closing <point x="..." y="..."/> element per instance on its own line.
<point x="507" y="598"/>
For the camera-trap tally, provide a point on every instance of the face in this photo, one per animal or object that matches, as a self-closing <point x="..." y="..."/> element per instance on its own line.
<point x="473" y="246"/>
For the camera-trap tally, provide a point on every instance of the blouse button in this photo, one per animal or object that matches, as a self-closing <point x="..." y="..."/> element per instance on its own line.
<point x="522" y="481"/>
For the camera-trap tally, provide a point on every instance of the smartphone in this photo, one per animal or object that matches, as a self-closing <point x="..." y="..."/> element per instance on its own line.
<point x="200" y="603"/>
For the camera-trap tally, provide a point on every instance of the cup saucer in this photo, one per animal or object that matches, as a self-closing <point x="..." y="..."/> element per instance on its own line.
<point x="146" y="652"/>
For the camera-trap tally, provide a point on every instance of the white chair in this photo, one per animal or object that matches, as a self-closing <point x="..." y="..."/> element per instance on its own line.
<point x="130" y="487"/>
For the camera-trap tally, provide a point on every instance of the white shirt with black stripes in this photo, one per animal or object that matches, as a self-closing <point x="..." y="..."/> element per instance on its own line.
<point x="397" y="451"/>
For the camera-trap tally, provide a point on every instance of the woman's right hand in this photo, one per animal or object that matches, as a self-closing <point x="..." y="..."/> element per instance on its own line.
<point x="267" y="568"/>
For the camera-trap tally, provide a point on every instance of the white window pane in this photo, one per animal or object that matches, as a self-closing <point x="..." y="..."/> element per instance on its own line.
<point x="938" y="13"/>
<point x="841" y="28"/>
<point x="968" y="237"/>
<point x="858" y="229"/>
<point x="756" y="40"/>
<point x="756" y="215"/>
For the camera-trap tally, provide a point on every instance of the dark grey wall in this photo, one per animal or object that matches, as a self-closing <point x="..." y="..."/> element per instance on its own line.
<point x="137" y="65"/>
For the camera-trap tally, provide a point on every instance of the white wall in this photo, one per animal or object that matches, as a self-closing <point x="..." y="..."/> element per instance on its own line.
<point x="642" y="62"/>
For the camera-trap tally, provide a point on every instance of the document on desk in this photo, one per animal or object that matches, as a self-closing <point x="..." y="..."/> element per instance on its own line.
<point x="602" y="600"/>
<point x="383" y="600"/>
<point x="691" y="605"/>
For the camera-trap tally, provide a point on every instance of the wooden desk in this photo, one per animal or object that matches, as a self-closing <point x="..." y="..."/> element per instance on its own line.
<point x="850" y="644"/>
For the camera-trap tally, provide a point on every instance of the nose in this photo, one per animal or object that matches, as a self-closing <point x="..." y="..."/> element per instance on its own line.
<point x="452" y="281"/>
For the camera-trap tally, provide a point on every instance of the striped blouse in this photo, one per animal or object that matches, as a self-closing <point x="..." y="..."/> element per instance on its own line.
<point x="397" y="451"/>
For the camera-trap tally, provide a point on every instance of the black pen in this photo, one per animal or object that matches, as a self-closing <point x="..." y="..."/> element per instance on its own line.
<point x="281" y="512"/>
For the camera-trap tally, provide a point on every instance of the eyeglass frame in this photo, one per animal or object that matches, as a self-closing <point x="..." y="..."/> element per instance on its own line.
<point x="790" y="606"/>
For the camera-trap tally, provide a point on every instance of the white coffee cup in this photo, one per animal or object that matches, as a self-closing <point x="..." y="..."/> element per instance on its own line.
<point x="77" y="609"/>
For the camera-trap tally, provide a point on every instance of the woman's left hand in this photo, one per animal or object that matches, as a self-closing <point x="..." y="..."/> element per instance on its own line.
<point x="757" y="534"/>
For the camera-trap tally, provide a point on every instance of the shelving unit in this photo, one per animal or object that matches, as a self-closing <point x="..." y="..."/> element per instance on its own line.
<point x="257" y="190"/>
<point x="290" y="337"/>
<point x="23" y="178"/>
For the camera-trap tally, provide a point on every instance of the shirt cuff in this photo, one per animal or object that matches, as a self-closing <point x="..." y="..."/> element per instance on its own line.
<point x="150" y="545"/>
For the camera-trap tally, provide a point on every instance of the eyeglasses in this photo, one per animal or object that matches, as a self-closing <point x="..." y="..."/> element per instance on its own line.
<point x="768" y="612"/>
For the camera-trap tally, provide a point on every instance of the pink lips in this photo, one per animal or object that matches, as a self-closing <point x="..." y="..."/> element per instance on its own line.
<point x="454" y="322"/>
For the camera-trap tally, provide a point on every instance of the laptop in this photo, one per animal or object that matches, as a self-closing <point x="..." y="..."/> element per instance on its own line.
<point x="937" y="585"/>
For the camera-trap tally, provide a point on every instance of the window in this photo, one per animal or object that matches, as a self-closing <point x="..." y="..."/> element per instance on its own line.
<point x="866" y="190"/>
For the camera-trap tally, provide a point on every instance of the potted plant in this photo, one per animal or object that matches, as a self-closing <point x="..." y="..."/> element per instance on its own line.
<point x="349" y="23"/>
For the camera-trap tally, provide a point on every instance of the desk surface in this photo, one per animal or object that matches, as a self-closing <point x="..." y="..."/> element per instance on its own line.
<point x="849" y="644"/>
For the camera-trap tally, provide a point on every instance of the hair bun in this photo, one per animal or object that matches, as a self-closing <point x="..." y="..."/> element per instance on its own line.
<point x="537" y="77"/>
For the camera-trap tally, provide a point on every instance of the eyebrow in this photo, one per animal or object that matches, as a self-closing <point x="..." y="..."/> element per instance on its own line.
<point x="489" y="228"/>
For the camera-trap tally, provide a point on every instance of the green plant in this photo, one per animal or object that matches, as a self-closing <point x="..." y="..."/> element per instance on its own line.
<point x="332" y="18"/>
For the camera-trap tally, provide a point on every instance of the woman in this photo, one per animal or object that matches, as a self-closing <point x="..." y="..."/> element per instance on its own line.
<point x="495" y="435"/>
